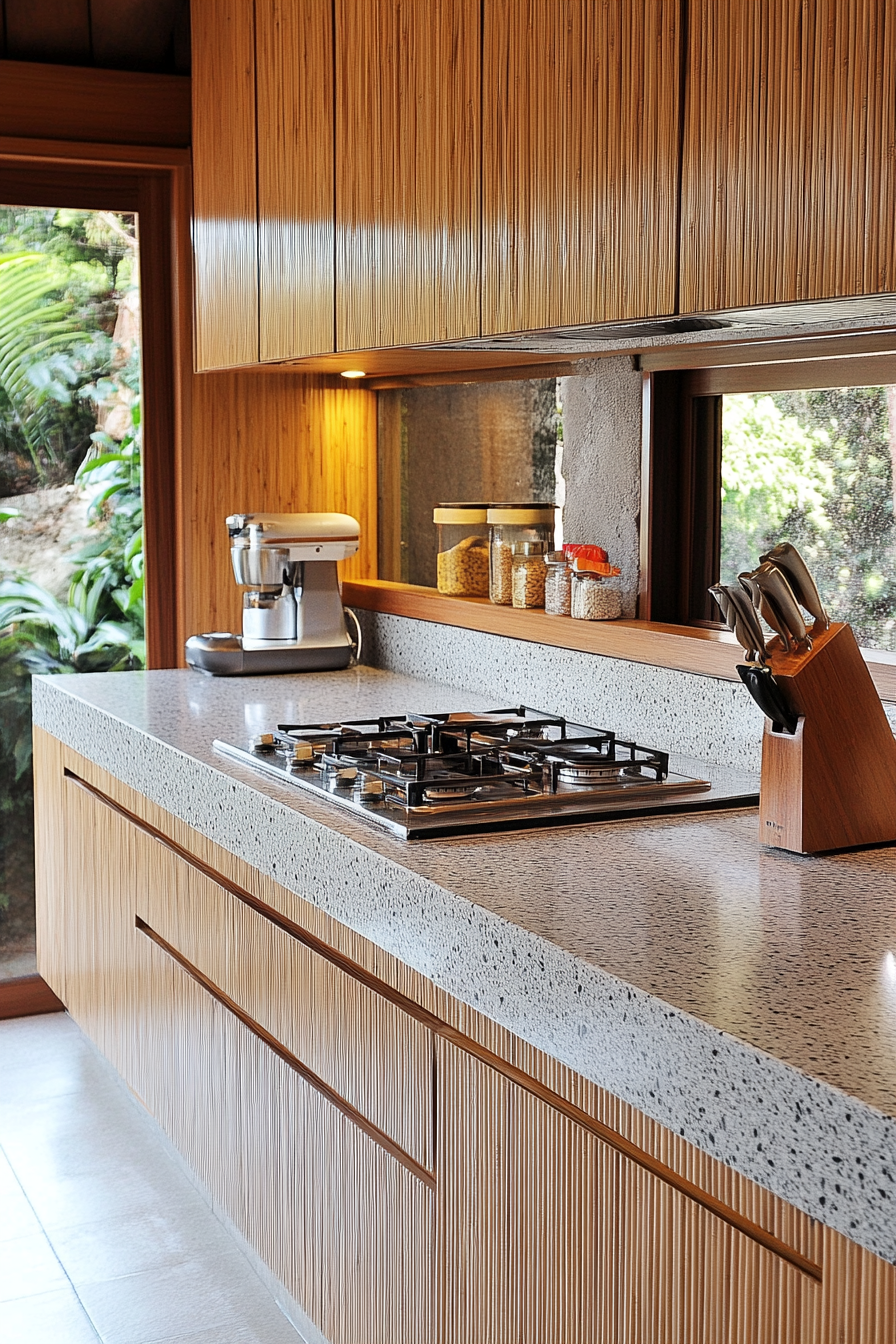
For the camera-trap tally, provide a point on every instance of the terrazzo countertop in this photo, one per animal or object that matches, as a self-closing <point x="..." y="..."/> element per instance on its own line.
<point x="743" y="997"/>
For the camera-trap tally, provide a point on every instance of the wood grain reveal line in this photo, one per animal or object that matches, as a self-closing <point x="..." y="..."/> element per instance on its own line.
<point x="789" y="163"/>
<point x="224" y="183"/>
<point x="289" y="1058"/>
<point x="580" y="161"/>
<point x="407" y="171"/>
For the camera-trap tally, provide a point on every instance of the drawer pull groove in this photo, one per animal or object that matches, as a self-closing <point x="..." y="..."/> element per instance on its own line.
<point x="289" y="1058"/>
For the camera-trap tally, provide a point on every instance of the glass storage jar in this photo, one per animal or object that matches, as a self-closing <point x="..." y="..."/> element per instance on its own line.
<point x="462" y="559"/>
<point x="529" y="570"/>
<point x="557" y="584"/>
<point x="510" y="524"/>
<point x="593" y="599"/>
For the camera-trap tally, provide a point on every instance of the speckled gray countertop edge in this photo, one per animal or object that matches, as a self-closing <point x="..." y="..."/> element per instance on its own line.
<point x="829" y="1154"/>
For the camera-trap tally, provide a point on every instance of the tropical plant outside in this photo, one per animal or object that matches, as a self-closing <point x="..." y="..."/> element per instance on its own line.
<point x="817" y="468"/>
<point x="69" y="413"/>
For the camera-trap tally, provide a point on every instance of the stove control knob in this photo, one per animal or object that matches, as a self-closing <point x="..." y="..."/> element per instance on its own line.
<point x="370" y="789"/>
<point x="302" y="756"/>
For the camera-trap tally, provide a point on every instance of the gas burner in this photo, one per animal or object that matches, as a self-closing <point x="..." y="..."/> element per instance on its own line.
<point x="424" y="775"/>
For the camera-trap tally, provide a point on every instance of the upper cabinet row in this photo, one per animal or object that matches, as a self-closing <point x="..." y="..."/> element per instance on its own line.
<point x="374" y="173"/>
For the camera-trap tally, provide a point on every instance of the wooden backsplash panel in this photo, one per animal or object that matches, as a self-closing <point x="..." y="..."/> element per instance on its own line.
<point x="580" y="161"/>
<point x="789" y="167"/>
<point x="407" y="171"/>
<point x="276" y="441"/>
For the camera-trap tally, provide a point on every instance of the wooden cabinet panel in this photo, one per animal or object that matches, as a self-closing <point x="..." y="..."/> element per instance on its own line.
<point x="548" y="1234"/>
<point x="580" y="161"/>
<point x="407" y="171"/>
<point x="224" y="184"/>
<point x="789" y="166"/>
<point x="296" y="225"/>
<point x="370" y="1052"/>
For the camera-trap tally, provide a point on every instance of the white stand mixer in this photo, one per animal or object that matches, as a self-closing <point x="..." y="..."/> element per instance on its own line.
<point x="293" y="617"/>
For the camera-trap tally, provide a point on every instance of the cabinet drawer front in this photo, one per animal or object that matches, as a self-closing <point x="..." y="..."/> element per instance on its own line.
<point x="373" y="1055"/>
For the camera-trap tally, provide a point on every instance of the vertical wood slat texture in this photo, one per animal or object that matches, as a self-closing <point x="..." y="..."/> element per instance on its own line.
<point x="296" y="225"/>
<point x="789" y="170"/>
<point x="276" y="441"/>
<point x="224" y="183"/>
<point x="580" y="161"/>
<point x="537" y="1219"/>
<point x="365" y="1048"/>
<point x="407" y="171"/>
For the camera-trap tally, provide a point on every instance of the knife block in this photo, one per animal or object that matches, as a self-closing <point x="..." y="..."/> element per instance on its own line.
<point x="831" y="784"/>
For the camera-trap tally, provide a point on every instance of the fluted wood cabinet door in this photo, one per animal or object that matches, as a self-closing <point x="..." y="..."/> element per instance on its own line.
<point x="545" y="1233"/>
<point x="580" y="161"/>
<point x="296" y="222"/>
<point x="407" y="171"/>
<point x="225" y="243"/>
<point x="789" y="169"/>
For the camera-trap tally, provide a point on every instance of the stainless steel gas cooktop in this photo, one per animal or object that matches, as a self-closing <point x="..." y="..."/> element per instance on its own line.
<point x="428" y="775"/>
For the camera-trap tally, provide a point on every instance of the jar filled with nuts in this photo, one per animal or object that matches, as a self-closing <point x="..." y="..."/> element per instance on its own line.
<point x="529" y="571"/>
<point x="557" y="584"/>
<point x="462" y="559"/>
<point x="509" y="525"/>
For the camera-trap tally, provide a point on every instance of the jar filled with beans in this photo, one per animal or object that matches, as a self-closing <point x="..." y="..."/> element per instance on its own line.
<point x="511" y="525"/>
<point x="557" y="584"/>
<point x="462" y="558"/>
<point x="593" y="599"/>
<point x="528" y="576"/>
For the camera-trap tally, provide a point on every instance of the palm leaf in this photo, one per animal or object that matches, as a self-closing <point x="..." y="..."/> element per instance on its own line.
<point x="30" y="329"/>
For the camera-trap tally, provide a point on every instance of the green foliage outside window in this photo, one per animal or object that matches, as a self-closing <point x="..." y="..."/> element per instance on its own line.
<point x="816" y="468"/>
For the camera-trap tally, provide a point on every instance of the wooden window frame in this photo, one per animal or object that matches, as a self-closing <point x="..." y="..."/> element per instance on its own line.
<point x="156" y="184"/>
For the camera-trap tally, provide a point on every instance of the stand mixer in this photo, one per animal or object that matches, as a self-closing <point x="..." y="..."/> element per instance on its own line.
<point x="293" y="617"/>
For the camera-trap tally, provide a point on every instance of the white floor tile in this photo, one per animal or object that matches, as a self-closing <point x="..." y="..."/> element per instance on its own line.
<point x="115" y="1247"/>
<point x="51" y="1318"/>
<point x="17" y="1218"/>
<point x="28" y="1267"/>
<point x="196" y="1297"/>
<point x="90" y="1194"/>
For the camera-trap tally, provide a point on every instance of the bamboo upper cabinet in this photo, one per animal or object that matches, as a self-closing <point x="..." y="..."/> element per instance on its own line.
<point x="789" y="166"/>
<point x="407" y="171"/>
<point x="580" y="161"/>
<point x="225" y="243"/>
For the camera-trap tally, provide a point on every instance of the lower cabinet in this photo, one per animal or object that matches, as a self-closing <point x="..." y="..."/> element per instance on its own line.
<point x="410" y="1173"/>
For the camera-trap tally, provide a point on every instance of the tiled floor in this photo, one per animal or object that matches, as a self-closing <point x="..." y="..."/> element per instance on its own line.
<point x="102" y="1236"/>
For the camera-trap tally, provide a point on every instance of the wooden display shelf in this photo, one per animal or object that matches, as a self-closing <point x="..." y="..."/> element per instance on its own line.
<point x="711" y="653"/>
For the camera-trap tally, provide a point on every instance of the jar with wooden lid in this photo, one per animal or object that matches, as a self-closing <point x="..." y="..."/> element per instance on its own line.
<point x="529" y="570"/>
<point x="462" y="558"/>
<point x="510" y="525"/>
<point x="557" y="584"/>
<point x="593" y="599"/>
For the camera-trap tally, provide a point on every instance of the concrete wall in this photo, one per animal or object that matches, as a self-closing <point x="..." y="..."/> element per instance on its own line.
<point x="602" y="464"/>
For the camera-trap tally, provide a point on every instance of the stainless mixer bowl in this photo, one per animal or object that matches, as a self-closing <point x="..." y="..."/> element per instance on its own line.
<point x="262" y="566"/>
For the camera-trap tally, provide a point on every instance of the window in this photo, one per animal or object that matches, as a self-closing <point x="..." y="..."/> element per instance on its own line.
<point x="753" y="455"/>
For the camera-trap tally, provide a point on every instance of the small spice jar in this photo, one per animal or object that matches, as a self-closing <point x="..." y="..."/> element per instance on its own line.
<point x="594" y="600"/>
<point x="529" y="571"/>
<point x="509" y="525"/>
<point x="557" y="584"/>
<point x="462" y="559"/>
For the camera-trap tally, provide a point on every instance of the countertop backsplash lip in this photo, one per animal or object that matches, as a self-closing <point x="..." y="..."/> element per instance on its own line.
<point x="447" y="909"/>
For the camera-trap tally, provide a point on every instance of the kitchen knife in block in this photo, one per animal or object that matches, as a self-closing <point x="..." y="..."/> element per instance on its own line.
<point x="832" y="784"/>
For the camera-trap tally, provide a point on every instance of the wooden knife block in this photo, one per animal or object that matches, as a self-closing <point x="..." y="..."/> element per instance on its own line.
<point x="831" y="784"/>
